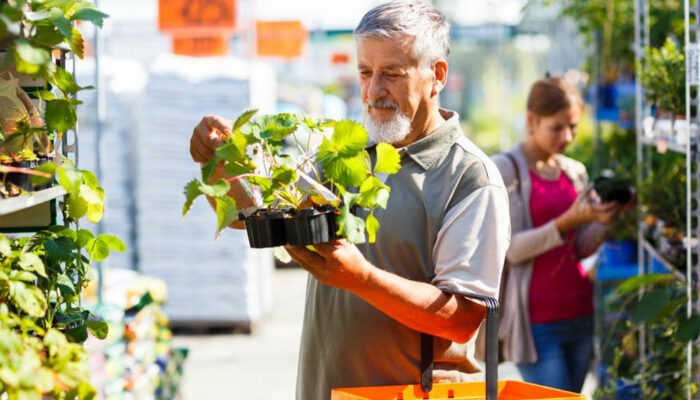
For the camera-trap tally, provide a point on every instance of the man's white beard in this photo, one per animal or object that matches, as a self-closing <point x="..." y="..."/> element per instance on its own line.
<point x="392" y="131"/>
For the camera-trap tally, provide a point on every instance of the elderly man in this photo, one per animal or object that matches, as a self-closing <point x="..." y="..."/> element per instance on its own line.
<point x="446" y="224"/>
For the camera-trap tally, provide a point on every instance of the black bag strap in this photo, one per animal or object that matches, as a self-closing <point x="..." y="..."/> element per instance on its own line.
<point x="426" y="344"/>
<point x="516" y="169"/>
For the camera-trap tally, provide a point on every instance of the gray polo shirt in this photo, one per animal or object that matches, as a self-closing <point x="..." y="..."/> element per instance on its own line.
<point x="447" y="222"/>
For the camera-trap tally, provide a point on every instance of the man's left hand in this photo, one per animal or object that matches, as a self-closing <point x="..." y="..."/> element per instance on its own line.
<point x="338" y="263"/>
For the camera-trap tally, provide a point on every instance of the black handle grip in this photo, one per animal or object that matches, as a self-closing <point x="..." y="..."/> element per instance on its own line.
<point x="491" y="345"/>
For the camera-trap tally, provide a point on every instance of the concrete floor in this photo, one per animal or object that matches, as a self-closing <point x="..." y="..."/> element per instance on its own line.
<point x="262" y="366"/>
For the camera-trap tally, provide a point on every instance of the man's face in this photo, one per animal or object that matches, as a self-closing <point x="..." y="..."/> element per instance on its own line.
<point x="394" y="85"/>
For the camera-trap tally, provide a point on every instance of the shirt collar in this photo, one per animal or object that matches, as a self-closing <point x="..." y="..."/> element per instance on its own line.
<point x="426" y="151"/>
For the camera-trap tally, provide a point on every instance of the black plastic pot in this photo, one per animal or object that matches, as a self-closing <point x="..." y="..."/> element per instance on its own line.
<point x="265" y="229"/>
<point x="309" y="226"/>
<point x="24" y="180"/>
<point x="613" y="189"/>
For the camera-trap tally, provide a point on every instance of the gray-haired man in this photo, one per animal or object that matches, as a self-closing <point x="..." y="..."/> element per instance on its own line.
<point x="447" y="223"/>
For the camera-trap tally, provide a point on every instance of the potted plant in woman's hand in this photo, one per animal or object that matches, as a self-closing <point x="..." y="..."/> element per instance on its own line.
<point x="304" y="199"/>
<point x="21" y="152"/>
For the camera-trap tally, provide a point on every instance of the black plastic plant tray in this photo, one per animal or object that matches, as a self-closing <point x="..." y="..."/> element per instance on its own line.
<point x="24" y="180"/>
<point x="309" y="226"/>
<point x="265" y="230"/>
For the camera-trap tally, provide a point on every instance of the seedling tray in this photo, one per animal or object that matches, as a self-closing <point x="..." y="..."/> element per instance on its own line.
<point x="24" y="180"/>
<point x="309" y="226"/>
<point x="265" y="229"/>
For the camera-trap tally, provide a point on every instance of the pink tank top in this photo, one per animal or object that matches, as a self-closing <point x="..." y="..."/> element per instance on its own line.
<point x="560" y="288"/>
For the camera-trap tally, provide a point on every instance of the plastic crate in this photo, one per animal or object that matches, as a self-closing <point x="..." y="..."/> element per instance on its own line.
<point x="492" y="389"/>
<point x="507" y="390"/>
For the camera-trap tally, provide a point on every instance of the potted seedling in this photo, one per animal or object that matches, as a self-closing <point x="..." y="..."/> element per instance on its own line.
<point x="303" y="195"/>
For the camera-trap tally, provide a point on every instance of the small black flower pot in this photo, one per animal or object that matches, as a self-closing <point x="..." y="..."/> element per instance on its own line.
<point x="24" y="181"/>
<point x="613" y="189"/>
<point x="309" y="226"/>
<point x="265" y="229"/>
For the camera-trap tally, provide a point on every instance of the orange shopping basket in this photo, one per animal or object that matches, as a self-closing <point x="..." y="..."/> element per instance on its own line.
<point x="492" y="389"/>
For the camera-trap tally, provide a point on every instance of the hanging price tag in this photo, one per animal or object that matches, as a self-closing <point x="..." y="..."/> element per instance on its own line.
<point x="693" y="63"/>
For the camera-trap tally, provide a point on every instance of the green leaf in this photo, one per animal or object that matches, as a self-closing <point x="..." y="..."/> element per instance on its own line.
<point x="24" y="276"/>
<point x="283" y="176"/>
<point x="349" y="138"/>
<point x="226" y="213"/>
<point x="113" y="242"/>
<point x="234" y="150"/>
<point x="32" y="262"/>
<point x="28" y="298"/>
<point x="63" y="25"/>
<point x="77" y="334"/>
<point x="94" y="195"/>
<point x="70" y="178"/>
<point x="651" y="304"/>
<point x="60" y="115"/>
<point x="47" y="35"/>
<point x="218" y="189"/>
<point x="65" y="81"/>
<point x="235" y="169"/>
<point x="373" y="193"/>
<point x="388" y="159"/>
<point x="27" y="53"/>
<point x="372" y="226"/>
<point x="49" y="168"/>
<point x="350" y="226"/>
<point x="349" y="172"/>
<point x="5" y="248"/>
<point x="59" y="249"/>
<point x="97" y="250"/>
<point x="83" y="237"/>
<point x="95" y="212"/>
<point x="99" y="329"/>
<point x="277" y="127"/>
<point x="65" y="285"/>
<point x="242" y="119"/>
<point x="208" y="170"/>
<point x="636" y="282"/>
<point x="90" y="178"/>
<point x="689" y="329"/>
<point x="77" y="44"/>
<point x="192" y="191"/>
<point x="90" y="14"/>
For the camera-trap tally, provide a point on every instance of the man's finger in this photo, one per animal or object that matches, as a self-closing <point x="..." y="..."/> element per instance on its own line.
<point x="304" y="256"/>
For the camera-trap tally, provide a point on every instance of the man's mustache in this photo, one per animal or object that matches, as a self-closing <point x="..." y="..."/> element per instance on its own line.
<point x="383" y="103"/>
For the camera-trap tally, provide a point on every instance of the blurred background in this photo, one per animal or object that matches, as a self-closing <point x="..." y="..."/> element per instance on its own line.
<point x="159" y="66"/>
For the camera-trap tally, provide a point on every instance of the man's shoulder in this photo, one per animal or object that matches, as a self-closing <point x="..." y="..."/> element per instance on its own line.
<point x="477" y="166"/>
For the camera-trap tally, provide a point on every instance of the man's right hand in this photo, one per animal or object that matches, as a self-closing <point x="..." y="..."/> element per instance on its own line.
<point x="206" y="137"/>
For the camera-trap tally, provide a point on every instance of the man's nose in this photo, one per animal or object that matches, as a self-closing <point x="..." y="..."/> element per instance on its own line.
<point x="376" y="89"/>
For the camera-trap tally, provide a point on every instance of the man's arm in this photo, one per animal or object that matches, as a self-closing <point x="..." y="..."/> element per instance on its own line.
<point x="206" y="137"/>
<point x="418" y="305"/>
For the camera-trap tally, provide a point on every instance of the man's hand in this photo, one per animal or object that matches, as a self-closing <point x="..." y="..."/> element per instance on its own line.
<point x="339" y="264"/>
<point x="206" y="137"/>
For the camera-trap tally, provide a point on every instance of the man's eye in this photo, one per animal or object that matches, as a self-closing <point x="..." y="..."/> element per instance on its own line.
<point x="393" y="75"/>
<point x="365" y="73"/>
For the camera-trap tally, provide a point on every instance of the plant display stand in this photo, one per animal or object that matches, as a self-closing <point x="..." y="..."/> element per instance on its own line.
<point x="657" y="133"/>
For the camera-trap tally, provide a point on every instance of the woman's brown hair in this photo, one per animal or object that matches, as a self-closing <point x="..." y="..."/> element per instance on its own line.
<point x="550" y="95"/>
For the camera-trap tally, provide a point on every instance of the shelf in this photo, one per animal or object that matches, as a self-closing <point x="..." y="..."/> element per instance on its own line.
<point x="663" y="144"/>
<point x="655" y="253"/>
<point x="14" y="204"/>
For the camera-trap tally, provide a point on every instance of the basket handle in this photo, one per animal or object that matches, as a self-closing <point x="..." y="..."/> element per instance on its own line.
<point x="426" y="344"/>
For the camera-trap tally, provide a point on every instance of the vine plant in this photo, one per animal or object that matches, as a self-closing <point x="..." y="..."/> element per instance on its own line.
<point x="338" y="174"/>
<point x="42" y="321"/>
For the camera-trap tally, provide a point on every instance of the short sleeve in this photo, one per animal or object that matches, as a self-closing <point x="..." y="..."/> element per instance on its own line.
<point x="472" y="242"/>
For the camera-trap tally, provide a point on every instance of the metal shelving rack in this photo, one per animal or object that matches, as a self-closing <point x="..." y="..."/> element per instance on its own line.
<point x="13" y="206"/>
<point x="645" y="145"/>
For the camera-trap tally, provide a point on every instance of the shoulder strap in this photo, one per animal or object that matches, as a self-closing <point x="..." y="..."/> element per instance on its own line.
<point x="516" y="169"/>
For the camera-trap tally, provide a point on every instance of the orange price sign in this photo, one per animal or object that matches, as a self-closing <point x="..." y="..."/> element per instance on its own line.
<point x="196" y="17"/>
<point x="281" y="38"/>
<point x="200" y="46"/>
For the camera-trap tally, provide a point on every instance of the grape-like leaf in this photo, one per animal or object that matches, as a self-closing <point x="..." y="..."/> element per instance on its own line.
<point x="650" y="305"/>
<point x="60" y="115"/>
<point x="277" y="127"/>
<point x="113" y="242"/>
<point x="226" y="213"/>
<point x="388" y="159"/>
<point x="208" y="170"/>
<point x="243" y="118"/>
<point x="349" y="138"/>
<point x="349" y="172"/>
<point x="283" y="176"/>
<point x="350" y="226"/>
<point x="372" y="226"/>
<point x="373" y="193"/>
<point x="65" y="81"/>
<point x="32" y="262"/>
<point x="77" y="45"/>
<point x="63" y="26"/>
<point x="28" y="298"/>
<point x="689" y="329"/>
<point x="99" y="329"/>
<point x="89" y="14"/>
<point x="97" y="249"/>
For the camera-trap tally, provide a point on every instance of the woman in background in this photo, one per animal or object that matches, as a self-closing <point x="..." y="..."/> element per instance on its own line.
<point x="547" y="325"/>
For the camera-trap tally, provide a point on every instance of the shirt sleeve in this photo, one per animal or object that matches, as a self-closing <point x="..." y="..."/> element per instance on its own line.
<point x="471" y="245"/>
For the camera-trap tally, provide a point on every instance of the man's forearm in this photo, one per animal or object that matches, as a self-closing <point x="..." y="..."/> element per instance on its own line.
<point x="421" y="306"/>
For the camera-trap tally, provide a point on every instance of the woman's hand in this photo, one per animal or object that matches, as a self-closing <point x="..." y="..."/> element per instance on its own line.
<point x="584" y="211"/>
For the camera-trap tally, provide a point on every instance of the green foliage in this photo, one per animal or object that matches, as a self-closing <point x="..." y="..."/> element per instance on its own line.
<point x="662" y="312"/>
<point x="285" y="182"/>
<point x="662" y="192"/>
<point x="662" y="73"/>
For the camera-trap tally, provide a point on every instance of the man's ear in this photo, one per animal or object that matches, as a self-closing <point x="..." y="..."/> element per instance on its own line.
<point x="440" y="77"/>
